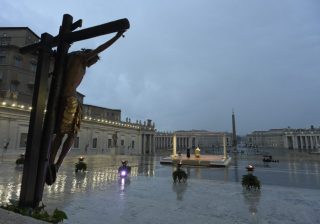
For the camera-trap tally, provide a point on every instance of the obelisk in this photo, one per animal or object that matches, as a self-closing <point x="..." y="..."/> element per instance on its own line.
<point x="234" y="134"/>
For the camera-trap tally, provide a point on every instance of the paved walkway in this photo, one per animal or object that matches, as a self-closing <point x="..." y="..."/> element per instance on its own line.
<point x="8" y="217"/>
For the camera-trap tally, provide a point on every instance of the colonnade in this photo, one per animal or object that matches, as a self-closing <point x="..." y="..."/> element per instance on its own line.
<point x="147" y="143"/>
<point x="163" y="142"/>
<point x="166" y="142"/>
<point x="191" y="139"/>
<point x="300" y="141"/>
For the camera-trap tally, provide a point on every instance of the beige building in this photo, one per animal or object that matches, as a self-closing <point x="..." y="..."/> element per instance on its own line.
<point x="17" y="71"/>
<point x="288" y="138"/>
<point x="102" y="128"/>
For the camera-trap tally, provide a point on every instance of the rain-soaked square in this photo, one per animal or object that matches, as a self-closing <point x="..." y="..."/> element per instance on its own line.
<point x="213" y="105"/>
<point x="290" y="190"/>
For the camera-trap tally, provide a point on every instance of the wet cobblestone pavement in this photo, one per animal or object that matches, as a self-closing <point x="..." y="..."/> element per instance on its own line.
<point x="290" y="191"/>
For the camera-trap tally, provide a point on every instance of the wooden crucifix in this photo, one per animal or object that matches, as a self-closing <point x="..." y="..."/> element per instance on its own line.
<point x="69" y="68"/>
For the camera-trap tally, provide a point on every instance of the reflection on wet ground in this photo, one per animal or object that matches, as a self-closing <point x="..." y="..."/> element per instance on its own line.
<point x="102" y="170"/>
<point x="150" y="182"/>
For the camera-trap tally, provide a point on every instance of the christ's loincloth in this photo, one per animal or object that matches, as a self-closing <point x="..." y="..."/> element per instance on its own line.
<point x="69" y="118"/>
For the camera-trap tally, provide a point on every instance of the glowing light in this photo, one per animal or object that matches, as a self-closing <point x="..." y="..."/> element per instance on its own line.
<point x="4" y="103"/>
<point x="123" y="173"/>
<point x="13" y="105"/>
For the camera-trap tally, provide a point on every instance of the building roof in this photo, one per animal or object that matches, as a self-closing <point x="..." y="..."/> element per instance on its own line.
<point x="19" y="28"/>
<point x="89" y="105"/>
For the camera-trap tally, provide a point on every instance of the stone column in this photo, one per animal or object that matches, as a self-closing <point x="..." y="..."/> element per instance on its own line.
<point x="224" y="147"/>
<point x="147" y="143"/>
<point x="150" y="144"/>
<point x="304" y="142"/>
<point x="294" y="142"/>
<point x="285" y="141"/>
<point x="167" y="145"/>
<point x="299" y="140"/>
<point x="142" y="144"/>
<point x="153" y="144"/>
<point x="177" y="142"/>
<point x="174" y="150"/>
<point x="188" y="142"/>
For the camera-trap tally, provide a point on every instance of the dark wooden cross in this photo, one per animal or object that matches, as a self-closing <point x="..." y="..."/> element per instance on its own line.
<point x="42" y="124"/>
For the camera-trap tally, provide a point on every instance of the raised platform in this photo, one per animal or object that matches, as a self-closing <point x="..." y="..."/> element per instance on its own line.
<point x="203" y="160"/>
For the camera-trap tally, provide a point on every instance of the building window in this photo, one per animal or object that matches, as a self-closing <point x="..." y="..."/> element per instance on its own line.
<point x="23" y="140"/>
<point x="14" y="85"/>
<point x="122" y="142"/>
<point x="109" y="143"/>
<point x="33" y="66"/>
<point x="4" y="40"/>
<point x="17" y="61"/>
<point x="94" y="143"/>
<point x="2" y="59"/>
<point x="76" y="143"/>
<point x="132" y="144"/>
<point x="30" y="85"/>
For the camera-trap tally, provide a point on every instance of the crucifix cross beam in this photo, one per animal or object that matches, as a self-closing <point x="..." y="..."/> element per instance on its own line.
<point x="42" y="126"/>
<point x="99" y="30"/>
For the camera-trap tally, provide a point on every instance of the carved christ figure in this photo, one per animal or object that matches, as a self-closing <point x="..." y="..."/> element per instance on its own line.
<point x="69" y="110"/>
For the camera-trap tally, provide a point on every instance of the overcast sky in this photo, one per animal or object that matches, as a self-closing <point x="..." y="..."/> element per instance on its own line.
<point x="187" y="64"/>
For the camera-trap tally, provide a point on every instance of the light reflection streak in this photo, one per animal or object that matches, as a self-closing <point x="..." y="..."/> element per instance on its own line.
<point x="69" y="182"/>
<point x="122" y="184"/>
<point x="9" y="192"/>
<point x="83" y="181"/>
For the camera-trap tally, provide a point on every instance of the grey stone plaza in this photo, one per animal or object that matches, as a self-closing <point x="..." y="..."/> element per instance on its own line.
<point x="290" y="191"/>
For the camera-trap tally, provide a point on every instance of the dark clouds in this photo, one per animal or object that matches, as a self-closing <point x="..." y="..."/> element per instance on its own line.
<point x="186" y="64"/>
